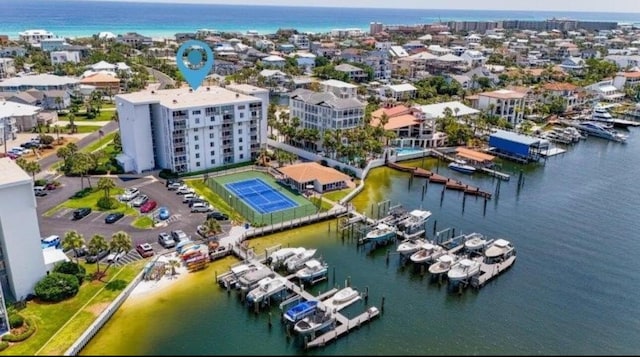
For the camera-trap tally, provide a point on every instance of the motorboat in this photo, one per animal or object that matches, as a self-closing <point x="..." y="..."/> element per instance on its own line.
<point x="277" y="258"/>
<point x="344" y="295"/>
<point x="382" y="233"/>
<point x="573" y="133"/>
<point x="300" y="311"/>
<point x="601" y="130"/>
<point x="410" y="246"/>
<point x="296" y="262"/>
<point x="443" y="264"/>
<point x="427" y="253"/>
<point x="461" y="166"/>
<point x="249" y="281"/>
<point x="416" y="221"/>
<point x="266" y="287"/>
<point x="313" y="269"/>
<point x="475" y="242"/>
<point x="317" y="321"/>
<point x="464" y="269"/>
<point x="601" y="114"/>
<point x="230" y="281"/>
<point x="499" y="251"/>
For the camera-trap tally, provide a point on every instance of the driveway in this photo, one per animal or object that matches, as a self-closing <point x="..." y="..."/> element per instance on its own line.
<point x="61" y="222"/>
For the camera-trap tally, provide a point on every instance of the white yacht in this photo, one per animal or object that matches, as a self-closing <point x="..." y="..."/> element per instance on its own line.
<point x="410" y="246"/>
<point x="427" y="253"/>
<point x="443" y="264"/>
<point x="266" y="287"/>
<point x="415" y="222"/>
<point x="297" y="261"/>
<point x="464" y="269"/>
<point x="279" y="256"/>
<point x="314" y="269"/>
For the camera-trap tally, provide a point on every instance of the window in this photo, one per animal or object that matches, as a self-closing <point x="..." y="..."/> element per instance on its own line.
<point x="197" y="163"/>
<point x="241" y="107"/>
<point x="211" y="144"/>
<point x="213" y="152"/>
<point x="210" y="127"/>
<point x="241" y="156"/>
<point x="197" y="146"/>
<point x="211" y="136"/>
<point x="195" y="112"/>
<point x="239" y="140"/>
<point x="197" y="120"/>
<point x="239" y="131"/>
<point x="240" y="148"/>
<point x="197" y="155"/>
<point x="241" y="115"/>
<point x="195" y="137"/>
<point x="213" y="161"/>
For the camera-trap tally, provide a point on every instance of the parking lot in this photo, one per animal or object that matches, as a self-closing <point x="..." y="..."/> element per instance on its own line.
<point x="61" y="222"/>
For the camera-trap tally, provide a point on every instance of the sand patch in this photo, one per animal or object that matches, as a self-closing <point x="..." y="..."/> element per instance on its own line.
<point x="98" y="308"/>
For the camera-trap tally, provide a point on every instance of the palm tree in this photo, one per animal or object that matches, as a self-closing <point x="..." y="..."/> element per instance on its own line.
<point x="173" y="264"/>
<point x="73" y="240"/>
<point x="106" y="184"/>
<point x="80" y="165"/>
<point x="96" y="244"/>
<point x="211" y="227"/>
<point x="120" y="243"/>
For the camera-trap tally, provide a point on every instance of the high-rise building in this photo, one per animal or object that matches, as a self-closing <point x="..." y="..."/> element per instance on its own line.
<point x="187" y="130"/>
<point x="21" y="259"/>
<point x="375" y="27"/>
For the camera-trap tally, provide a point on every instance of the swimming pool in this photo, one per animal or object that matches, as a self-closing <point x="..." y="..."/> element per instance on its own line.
<point x="408" y="151"/>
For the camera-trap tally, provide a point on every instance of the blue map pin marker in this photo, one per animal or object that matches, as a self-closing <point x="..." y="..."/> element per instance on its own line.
<point x="195" y="68"/>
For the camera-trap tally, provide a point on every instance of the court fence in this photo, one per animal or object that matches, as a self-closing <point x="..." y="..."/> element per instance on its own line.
<point x="259" y="219"/>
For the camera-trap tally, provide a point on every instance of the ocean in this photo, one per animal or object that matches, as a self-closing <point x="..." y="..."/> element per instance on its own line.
<point x="85" y="18"/>
<point x="573" y="289"/>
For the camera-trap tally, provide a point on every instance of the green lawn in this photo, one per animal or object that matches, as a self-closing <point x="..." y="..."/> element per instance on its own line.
<point x="99" y="143"/>
<point x="104" y="115"/>
<point x="143" y="222"/>
<point x="91" y="201"/>
<point x="60" y="324"/>
<point x="336" y="196"/>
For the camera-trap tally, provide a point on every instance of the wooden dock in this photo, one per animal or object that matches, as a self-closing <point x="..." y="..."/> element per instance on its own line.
<point x="449" y="183"/>
<point x="494" y="173"/>
<point x="344" y="326"/>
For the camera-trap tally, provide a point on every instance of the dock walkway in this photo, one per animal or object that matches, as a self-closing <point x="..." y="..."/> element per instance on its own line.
<point x="449" y="183"/>
<point x="344" y="326"/>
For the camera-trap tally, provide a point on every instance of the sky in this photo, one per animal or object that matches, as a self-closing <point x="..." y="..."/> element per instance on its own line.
<point x="628" y="6"/>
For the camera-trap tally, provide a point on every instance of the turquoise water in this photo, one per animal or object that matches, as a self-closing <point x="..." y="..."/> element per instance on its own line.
<point x="572" y="291"/>
<point x="407" y="151"/>
<point x="86" y="18"/>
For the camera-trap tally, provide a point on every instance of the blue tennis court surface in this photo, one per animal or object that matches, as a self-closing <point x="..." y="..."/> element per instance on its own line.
<point x="262" y="197"/>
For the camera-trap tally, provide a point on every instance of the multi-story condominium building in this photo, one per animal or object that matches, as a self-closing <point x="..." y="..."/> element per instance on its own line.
<point x="21" y="258"/>
<point x="375" y="27"/>
<point x="17" y="117"/>
<point x="34" y="37"/>
<point x="7" y="68"/>
<point x="325" y="110"/>
<point x="504" y="103"/>
<point x="185" y="130"/>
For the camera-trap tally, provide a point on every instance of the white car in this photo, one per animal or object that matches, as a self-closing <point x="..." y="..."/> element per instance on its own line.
<point x="190" y="197"/>
<point x="140" y="200"/>
<point x="185" y="190"/>
<point x="129" y="194"/>
<point x="114" y="257"/>
<point x="201" y="207"/>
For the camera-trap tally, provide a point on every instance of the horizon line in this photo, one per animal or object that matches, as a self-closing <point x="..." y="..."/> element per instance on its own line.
<point x="200" y="2"/>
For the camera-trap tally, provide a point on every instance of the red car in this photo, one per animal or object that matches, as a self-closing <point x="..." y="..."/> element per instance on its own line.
<point x="148" y="207"/>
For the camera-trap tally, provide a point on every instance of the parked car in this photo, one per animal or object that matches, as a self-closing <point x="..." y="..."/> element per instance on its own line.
<point x="39" y="191"/>
<point x="145" y="250"/>
<point x="81" y="213"/>
<point x="184" y="189"/>
<point x="93" y="258"/>
<point x="201" y="207"/>
<point x="197" y="200"/>
<point x="148" y="207"/>
<point x="140" y="200"/>
<point x="174" y="181"/>
<point x="79" y="252"/>
<point x="113" y="217"/>
<point x="50" y="241"/>
<point x="163" y="213"/>
<point x="190" y="197"/>
<point x="115" y="257"/>
<point x="50" y="186"/>
<point x="218" y="216"/>
<point x="130" y="193"/>
<point x="165" y="240"/>
<point x="179" y="235"/>
<point x="174" y="186"/>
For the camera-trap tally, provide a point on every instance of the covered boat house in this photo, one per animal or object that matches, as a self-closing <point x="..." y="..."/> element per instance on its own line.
<point x="517" y="147"/>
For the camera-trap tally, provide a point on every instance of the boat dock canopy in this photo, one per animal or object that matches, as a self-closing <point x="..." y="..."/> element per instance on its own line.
<point x="474" y="155"/>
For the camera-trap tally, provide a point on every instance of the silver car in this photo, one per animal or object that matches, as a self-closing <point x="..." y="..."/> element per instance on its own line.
<point x="140" y="200"/>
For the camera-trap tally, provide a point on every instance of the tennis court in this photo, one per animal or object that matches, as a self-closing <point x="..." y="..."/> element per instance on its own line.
<point x="262" y="197"/>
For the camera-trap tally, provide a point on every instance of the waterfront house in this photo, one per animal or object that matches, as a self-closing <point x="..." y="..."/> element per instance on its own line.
<point x="507" y="104"/>
<point x="605" y="91"/>
<point x="103" y="81"/>
<point x="570" y="94"/>
<point x="355" y="74"/>
<point x="620" y="81"/>
<point x="34" y="37"/>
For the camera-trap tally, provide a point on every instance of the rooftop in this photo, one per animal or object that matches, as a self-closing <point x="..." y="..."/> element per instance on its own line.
<point x="38" y="80"/>
<point x="186" y="98"/>
<point x="11" y="173"/>
<point x="311" y="171"/>
<point x="437" y="110"/>
<point x="13" y="109"/>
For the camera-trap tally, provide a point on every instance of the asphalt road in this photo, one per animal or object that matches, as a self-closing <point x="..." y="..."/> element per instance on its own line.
<point x="61" y="222"/>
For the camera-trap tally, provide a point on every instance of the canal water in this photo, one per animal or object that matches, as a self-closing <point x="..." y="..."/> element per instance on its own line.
<point x="574" y="289"/>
